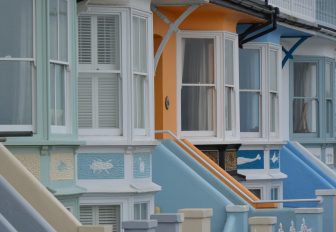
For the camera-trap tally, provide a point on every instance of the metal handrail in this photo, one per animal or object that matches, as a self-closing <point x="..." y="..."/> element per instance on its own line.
<point x="227" y="180"/>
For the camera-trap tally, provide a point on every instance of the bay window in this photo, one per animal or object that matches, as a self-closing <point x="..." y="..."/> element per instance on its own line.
<point x="59" y="64"/>
<point x="273" y="93"/>
<point x="312" y="95"/>
<point x="17" y="58"/>
<point x="99" y="81"/>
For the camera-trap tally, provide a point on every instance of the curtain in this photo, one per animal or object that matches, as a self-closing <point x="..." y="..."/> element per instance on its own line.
<point x="197" y="98"/>
<point x="305" y="94"/>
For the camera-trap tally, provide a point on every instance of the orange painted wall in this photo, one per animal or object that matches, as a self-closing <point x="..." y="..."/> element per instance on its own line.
<point x="206" y="17"/>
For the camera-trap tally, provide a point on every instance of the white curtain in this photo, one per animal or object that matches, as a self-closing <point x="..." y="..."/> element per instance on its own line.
<point x="197" y="99"/>
<point x="305" y="94"/>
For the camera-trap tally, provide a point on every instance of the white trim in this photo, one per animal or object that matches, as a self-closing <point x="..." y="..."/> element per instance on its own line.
<point x="16" y="128"/>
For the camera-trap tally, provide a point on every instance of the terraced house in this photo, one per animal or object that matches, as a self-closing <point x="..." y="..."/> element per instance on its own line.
<point x="121" y="107"/>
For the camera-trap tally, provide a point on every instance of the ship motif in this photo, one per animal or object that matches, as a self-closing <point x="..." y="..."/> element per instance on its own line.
<point x="100" y="166"/>
<point x="61" y="166"/>
<point x="244" y="160"/>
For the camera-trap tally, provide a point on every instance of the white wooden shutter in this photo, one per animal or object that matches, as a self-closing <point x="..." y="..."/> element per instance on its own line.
<point x="84" y="40"/>
<point x="86" y="215"/>
<point x="108" y="41"/>
<point x="108" y="101"/>
<point x="110" y="215"/>
<point x="85" y="102"/>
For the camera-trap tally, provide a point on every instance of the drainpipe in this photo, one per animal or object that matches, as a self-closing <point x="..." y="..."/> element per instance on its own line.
<point x="254" y="28"/>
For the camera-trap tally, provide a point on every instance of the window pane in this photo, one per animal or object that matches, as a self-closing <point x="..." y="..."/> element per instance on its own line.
<point x="137" y="212"/>
<point x="305" y="116"/>
<point x="273" y="111"/>
<point x="139" y="44"/>
<point x="305" y="84"/>
<point x="198" y="62"/>
<point x="15" y="93"/>
<point x="53" y="29"/>
<point x="144" y="211"/>
<point x="328" y="83"/>
<point x="57" y="95"/>
<point x="249" y="112"/>
<point x="198" y="108"/>
<point x="139" y="101"/>
<point x="249" y="69"/>
<point x="108" y="40"/>
<point x="273" y="70"/>
<point x="229" y="67"/>
<point x="63" y="27"/>
<point x="229" y="108"/>
<point x="256" y="192"/>
<point x="16" y="23"/>
<point x="108" y="101"/>
<point x="274" y="193"/>
<point x="85" y="113"/>
<point x="329" y="116"/>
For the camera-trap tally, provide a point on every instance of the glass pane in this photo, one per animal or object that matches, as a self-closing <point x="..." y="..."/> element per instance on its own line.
<point x="273" y="65"/>
<point x="256" y="192"/>
<point x="229" y="63"/>
<point x="139" y="44"/>
<point x="249" y="69"/>
<point x="108" y="101"/>
<point x="198" y="108"/>
<point x="249" y="112"/>
<point x="273" y="111"/>
<point x="63" y="27"/>
<point x="305" y="84"/>
<point x="137" y="212"/>
<point x="144" y="211"/>
<point x="139" y="101"/>
<point x="328" y="83"/>
<point x="229" y="108"/>
<point x="305" y="116"/>
<point x="108" y="40"/>
<point x="15" y="93"/>
<point x="16" y="23"/>
<point x="274" y="193"/>
<point x="198" y="62"/>
<point x="53" y="29"/>
<point x="329" y="116"/>
<point x="57" y="105"/>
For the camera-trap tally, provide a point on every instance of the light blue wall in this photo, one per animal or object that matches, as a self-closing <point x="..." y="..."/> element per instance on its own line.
<point x="184" y="188"/>
<point x="304" y="177"/>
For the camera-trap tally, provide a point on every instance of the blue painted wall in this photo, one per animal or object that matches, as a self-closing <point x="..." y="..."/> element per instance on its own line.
<point x="304" y="177"/>
<point x="250" y="159"/>
<point x="274" y="159"/>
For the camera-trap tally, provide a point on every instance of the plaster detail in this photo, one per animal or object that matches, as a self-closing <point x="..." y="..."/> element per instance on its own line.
<point x="31" y="162"/>
<point x="62" y="166"/>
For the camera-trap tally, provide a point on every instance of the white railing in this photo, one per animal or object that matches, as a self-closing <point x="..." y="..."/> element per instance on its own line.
<point x="303" y="9"/>
<point x="318" y="199"/>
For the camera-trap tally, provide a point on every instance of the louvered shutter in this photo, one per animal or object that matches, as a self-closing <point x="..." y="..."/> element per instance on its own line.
<point x="108" y="42"/>
<point x="110" y="215"/>
<point x="84" y="40"/>
<point x="86" y="215"/>
<point x="108" y="101"/>
<point x="85" y="101"/>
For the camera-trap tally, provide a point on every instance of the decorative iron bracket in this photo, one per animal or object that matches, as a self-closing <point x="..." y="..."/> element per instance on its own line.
<point x="289" y="53"/>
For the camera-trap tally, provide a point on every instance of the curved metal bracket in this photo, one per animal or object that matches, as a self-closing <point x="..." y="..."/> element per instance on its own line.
<point x="289" y="53"/>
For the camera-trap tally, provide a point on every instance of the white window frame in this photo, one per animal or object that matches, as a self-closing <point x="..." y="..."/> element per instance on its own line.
<point x="265" y="92"/>
<point x="218" y="48"/>
<point x="140" y="203"/>
<point x="278" y="191"/>
<point x="139" y="133"/>
<point x="276" y="133"/>
<point x="62" y="129"/>
<point x="82" y="69"/>
<point x="32" y="61"/>
<point x="235" y="127"/>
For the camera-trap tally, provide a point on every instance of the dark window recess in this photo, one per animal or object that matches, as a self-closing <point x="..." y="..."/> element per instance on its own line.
<point x="225" y="156"/>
